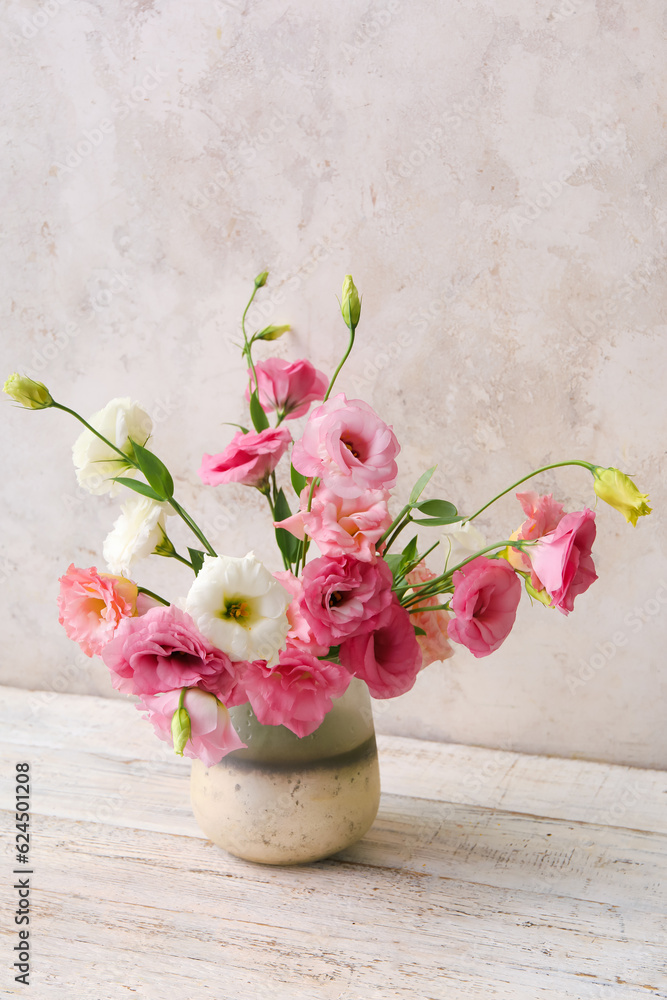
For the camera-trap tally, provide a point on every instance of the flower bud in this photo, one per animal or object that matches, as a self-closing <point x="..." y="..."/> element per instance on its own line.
<point x="33" y="395"/>
<point x="271" y="332"/>
<point x="351" y="304"/>
<point x="260" y="280"/>
<point x="165" y="546"/>
<point x="619" y="491"/>
<point x="180" y="730"/>
<point x="537" y="595"/>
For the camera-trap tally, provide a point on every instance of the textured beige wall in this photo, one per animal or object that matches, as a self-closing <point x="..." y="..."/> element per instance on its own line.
<point x="491" y="174"/>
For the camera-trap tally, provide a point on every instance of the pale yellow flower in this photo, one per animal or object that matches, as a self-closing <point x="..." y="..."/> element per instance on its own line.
<point x="619" y="491"/>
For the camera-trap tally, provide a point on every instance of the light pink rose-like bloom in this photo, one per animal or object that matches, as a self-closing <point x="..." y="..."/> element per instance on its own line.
<point x="434" y="645"/>
<point x="562" y="559"/>
<point x="486" y="596"/>
<point x="347" y="445"/>
<point x="249" y="459"/>
<point x="543" y="513"/>
<point x="389" y="658"/>
<point x="297" y="692"/>
<point x="342" y="526"/>
<point x="300" y="633"/>
<point x="163" y="650"/>
<point x="288" y="386"/>
<point x="343" y="597"/>
<point x="93" y="604"/>
<point x="212" y="735"/>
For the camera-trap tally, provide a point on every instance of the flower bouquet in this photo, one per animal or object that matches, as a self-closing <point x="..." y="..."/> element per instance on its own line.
<point x="288" y="643"/>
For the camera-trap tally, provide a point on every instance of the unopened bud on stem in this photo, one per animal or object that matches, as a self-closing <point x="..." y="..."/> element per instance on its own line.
<point x="33" y="395"/>
<point x="180" y="730"/>
<point x="350" y="305"/>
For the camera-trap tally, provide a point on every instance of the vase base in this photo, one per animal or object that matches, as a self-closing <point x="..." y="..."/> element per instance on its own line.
<point x="288" y="814"/>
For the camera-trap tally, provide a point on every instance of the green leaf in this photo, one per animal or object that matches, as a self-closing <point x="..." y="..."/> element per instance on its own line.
<point x="138" y="487"/>
<point x="410" y="551"/>
<point x="400" y="565"/>
<point x="281" y="506"/>
<point x="393" y="561"/>
<point x="437" y="508"/>
<point x="287" y="543"/>
<point x="420" y="485"/>
<point x="418" y="630"/>
<point x="434" y="521"/>
<point x="260" y="421"/>
<point x="196" y="558"/>
<point x="298" y="481"/>
<point x="228" y="423"/>
<point x="155" y="471"/>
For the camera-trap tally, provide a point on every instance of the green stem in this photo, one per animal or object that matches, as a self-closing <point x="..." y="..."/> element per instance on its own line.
<point x="303" y="548"/>
<point x="393" y="538"/>
<point x="180" y="558"/>
<point x="437" y="585"/>
<point x="430" y="607"/>
<point x="537" y="472"/>
<point x="424" y="591"/>
<point x="156" y="597"/>
<point x="424" y="554"/>
<point x="192" y="526"/>
<point x="182" y="697"/>
<point x="409" y="569"/>
<point x="352" y="330"/>
<point x="126" y="458"/>
<point x="392" y="526"/>
<point x="248" y="344"/>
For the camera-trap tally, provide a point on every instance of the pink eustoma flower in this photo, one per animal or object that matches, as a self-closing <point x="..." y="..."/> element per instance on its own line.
<point x="434" y="644"/>
<point x="288" y="386"/>
<point x="343" y="597"/>
<point x="389" y="658"/>
<point x="212" y="735"/>
<point x="347" y="445"/>
<point x="342" y="526"/>
<point x="300" y="633"/>
<point x="543" y="513"/>
<point x="562" y="559"/>
<point x="486" y="596"/>
<point x="92" y="605"/>
<point x="249" y="459"/>
<point x="163" y="650"/>
<point x="297" y="692"/>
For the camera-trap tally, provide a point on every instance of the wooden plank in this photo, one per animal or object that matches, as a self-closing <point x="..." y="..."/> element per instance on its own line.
<point x="165" y="909"/>
<point x="574" y="790"/>
<point x="480" y="878"/>
<point x="92" y="790"/>
<point x="560" y="788"/>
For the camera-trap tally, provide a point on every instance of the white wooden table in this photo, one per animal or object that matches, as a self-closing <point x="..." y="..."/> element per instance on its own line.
<point x="486" y="874"/>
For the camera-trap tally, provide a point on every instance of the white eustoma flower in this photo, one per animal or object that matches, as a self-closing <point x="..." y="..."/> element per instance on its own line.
<point x="135" y="533"/>
<point x="460" y="541"/>
<point x="240" y="607"/>
<point x="95" y="462"/>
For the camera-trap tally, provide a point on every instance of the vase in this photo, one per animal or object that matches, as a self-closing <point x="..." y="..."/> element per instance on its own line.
<point x="285" y="800"/>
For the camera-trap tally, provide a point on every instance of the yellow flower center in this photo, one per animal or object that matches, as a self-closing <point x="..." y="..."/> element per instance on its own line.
<point x="240" y="610"/>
